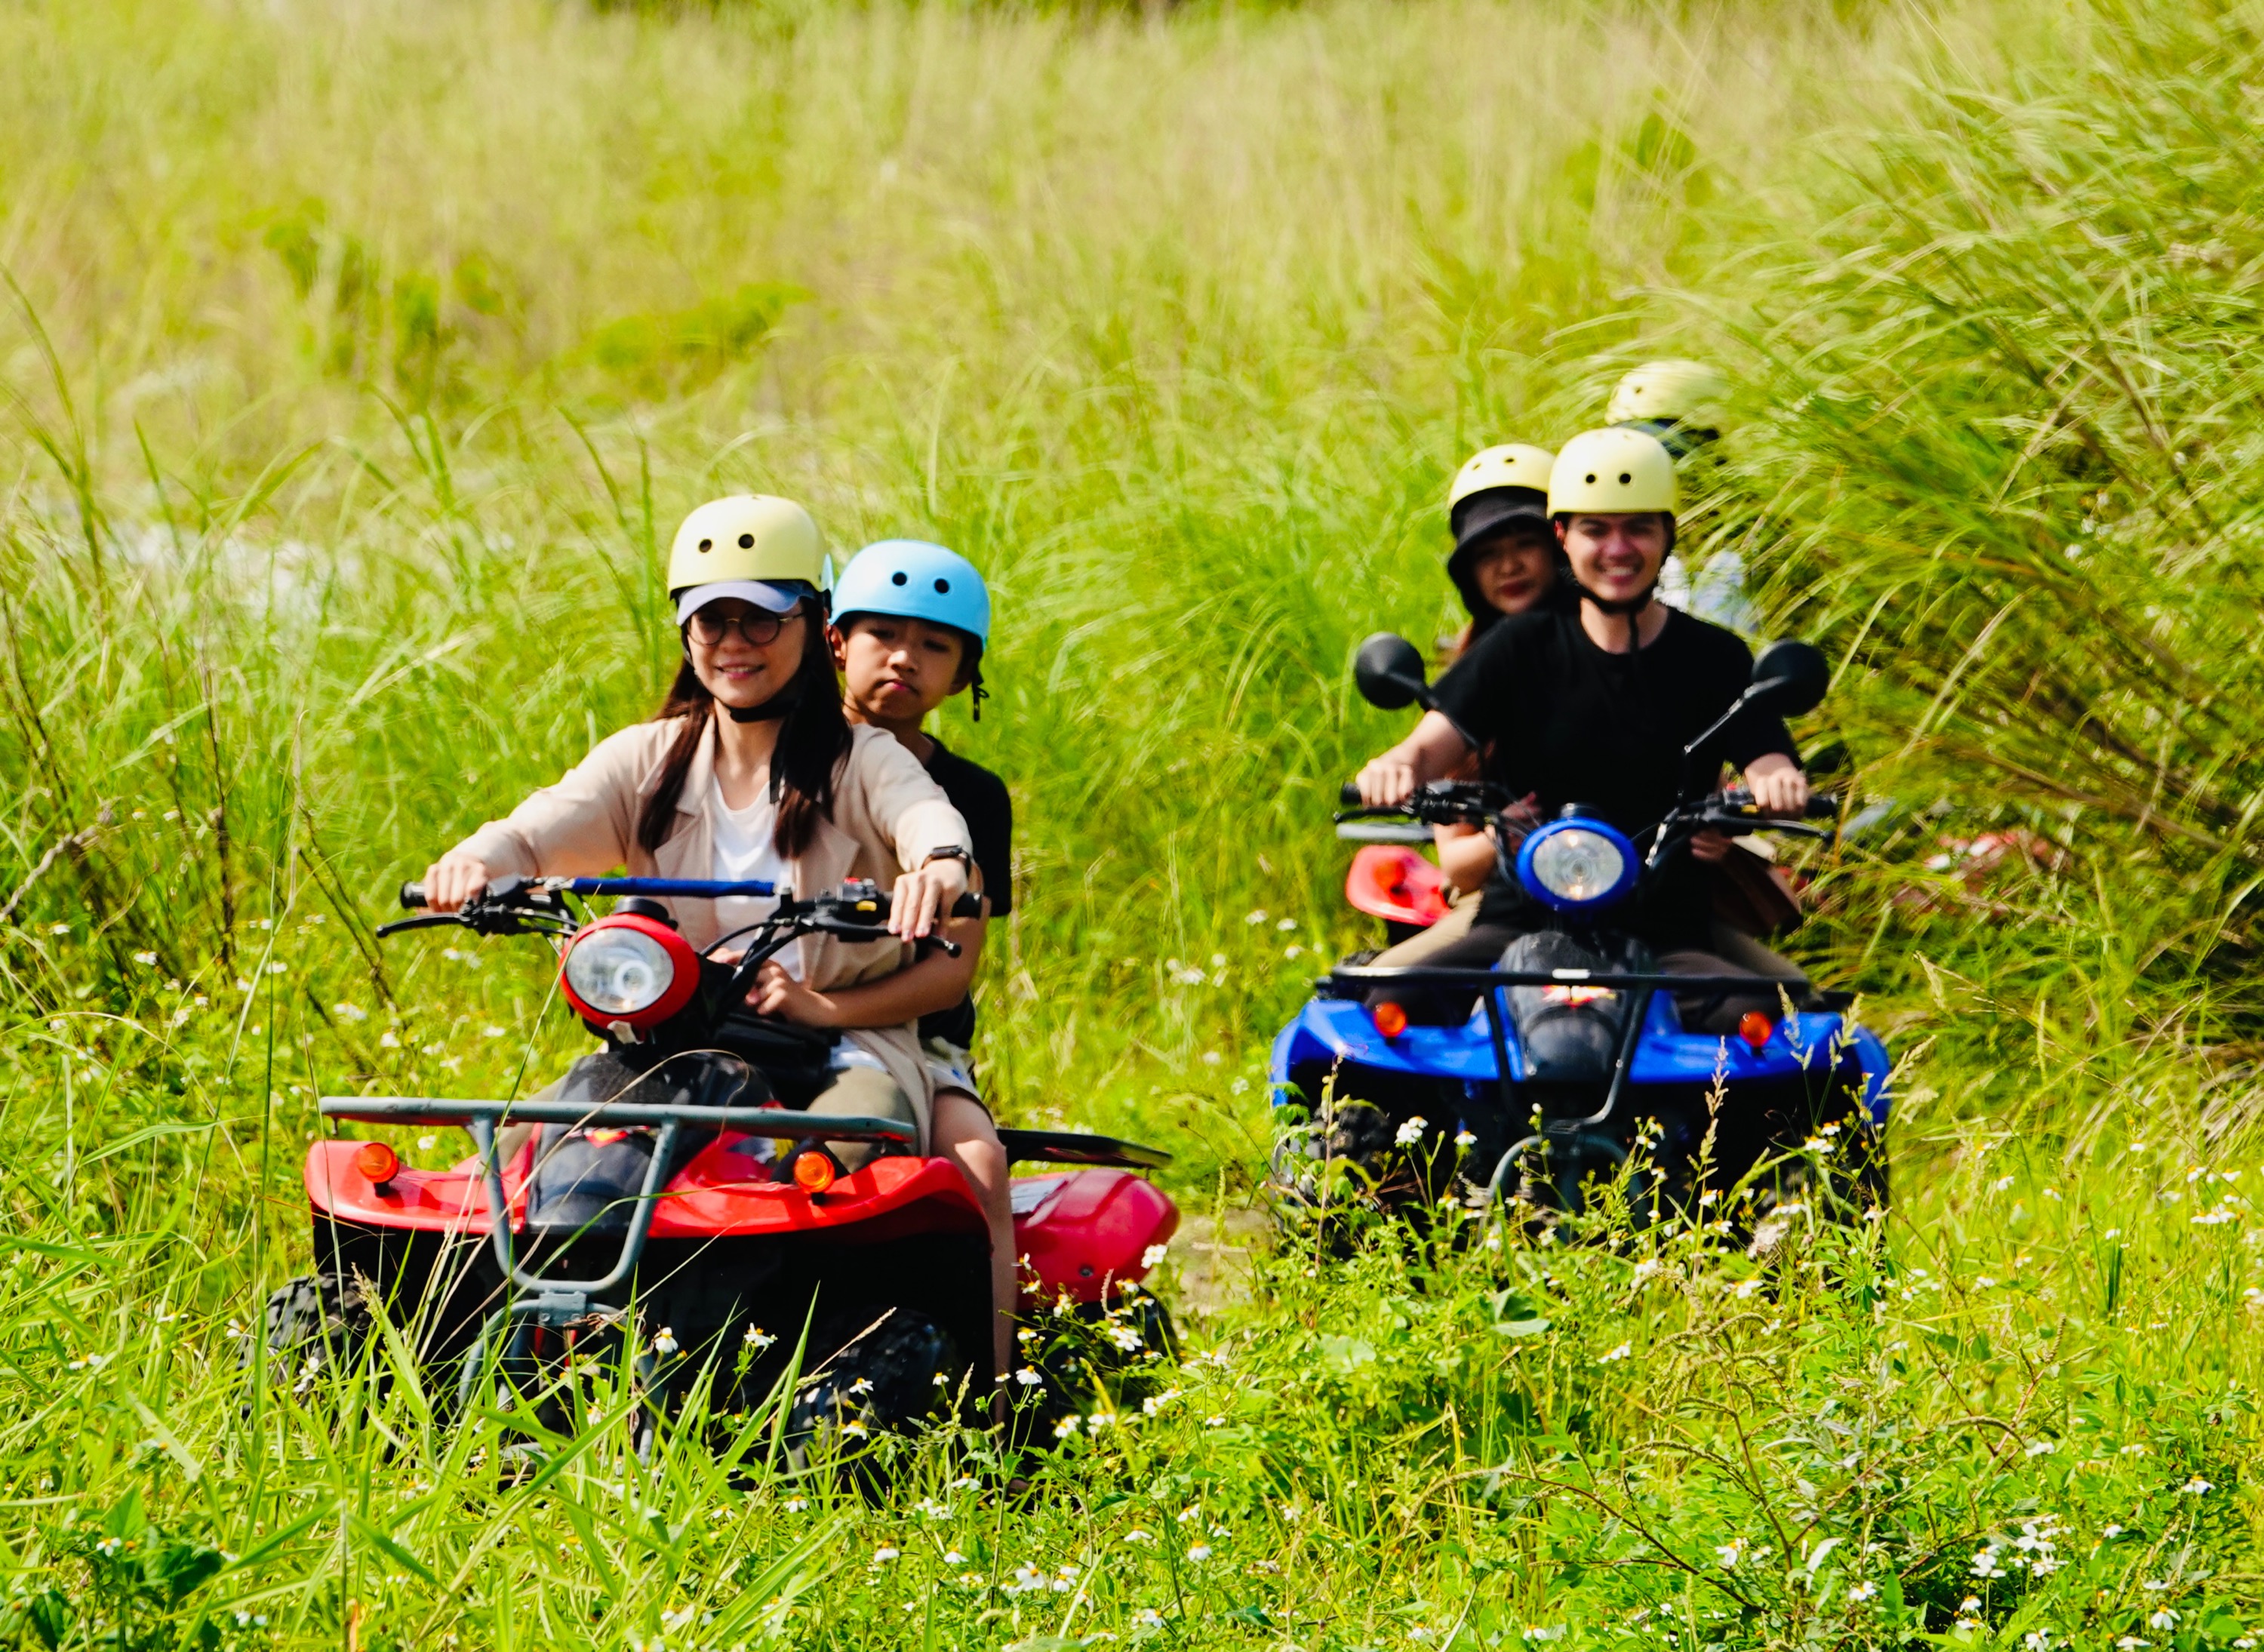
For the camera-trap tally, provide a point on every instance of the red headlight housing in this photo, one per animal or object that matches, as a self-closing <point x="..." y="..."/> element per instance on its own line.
<point x="628" y="968"/>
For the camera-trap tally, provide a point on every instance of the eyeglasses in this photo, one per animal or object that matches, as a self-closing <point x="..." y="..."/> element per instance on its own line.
<point x="708" y="628"/>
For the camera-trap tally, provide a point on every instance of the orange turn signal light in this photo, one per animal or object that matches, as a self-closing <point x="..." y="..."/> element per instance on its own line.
<point x="813" y="1171"/>
<point x="1390" y="1020"/>
<point x="1754" y="1028"/>
<point x="377" y="1162"/>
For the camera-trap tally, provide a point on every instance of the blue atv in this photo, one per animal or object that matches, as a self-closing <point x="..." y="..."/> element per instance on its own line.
<point x="1580" y="1059"/>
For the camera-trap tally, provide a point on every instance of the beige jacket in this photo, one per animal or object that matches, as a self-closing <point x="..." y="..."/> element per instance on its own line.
<point x="888" y="815"/>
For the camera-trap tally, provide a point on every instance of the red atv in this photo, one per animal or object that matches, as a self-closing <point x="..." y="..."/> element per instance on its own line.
<point x="667" y="1191"/>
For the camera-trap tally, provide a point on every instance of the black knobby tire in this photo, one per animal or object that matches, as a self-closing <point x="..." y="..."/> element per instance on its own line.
<point x="875" y="1367"/>
<point x="316" y="1323"/>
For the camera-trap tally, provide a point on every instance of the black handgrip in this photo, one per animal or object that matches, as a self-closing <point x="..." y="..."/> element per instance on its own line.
<point x="1822" y="807"/>
<point x="1348" y="794"/>
<point x="968" y="905"/>
<point x="412" y="896"/>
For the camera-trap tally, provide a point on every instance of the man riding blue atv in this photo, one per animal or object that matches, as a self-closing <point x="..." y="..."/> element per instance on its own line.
<point x="1585" y="1008"/>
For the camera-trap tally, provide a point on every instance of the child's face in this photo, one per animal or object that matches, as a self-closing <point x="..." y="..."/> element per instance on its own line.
<point x="898" y="670"/>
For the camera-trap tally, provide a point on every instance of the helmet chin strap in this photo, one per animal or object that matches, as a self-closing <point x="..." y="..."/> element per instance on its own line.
<point x="1629" y="606"/>
<point x="777" y="706"/>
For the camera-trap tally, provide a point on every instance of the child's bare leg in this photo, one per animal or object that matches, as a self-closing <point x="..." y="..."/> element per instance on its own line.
<point x="961" y="1132"/>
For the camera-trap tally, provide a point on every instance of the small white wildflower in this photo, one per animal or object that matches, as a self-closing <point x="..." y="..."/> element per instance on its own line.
<point x="1028" y="1378"/>
<point x="2036" y="1639"/>
<point x="1728" y="1555"/>
<point x="952" y="1557"/>
<point x="145" y="959"/>
<point x="1620" y="1352"/>
<point x="1154" y="1255"/>
<point x="1411" y="1133"/>
<point x="2164" y="1618"/>
<point x="1068" y="1426"/>
<point x="1199" y="1552"/>
<point x="58" y="929"/>
<point x="2112" y="1530"/>
<point x="1286" y="924"/>
<point x="2196" y="1487"/>
<point x="2131" y="1643"/>
<point x="665" y="1343"/>
<point x="426" y="1143"/>
<point x="1863" y="1591"/>
<point x="1259" y="917"/>
<point x="1465" y="1141"/>
<point x="491" y="1033"/>
<point x="883" y="1557"/>
<point x="2041" y="1447"/>
<point x="1136" y="1535"/>
<point x="1212" y="1058"/>
<point x="757" y="1338"/>
<point x="795" y="1506"/>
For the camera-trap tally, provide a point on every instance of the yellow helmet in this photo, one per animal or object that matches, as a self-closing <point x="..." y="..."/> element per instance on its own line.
<point x="1669" y="393"/>
<point x="1612" y="472"/>
<point x="1511" y="465"/>
<point x="750" y="537"/>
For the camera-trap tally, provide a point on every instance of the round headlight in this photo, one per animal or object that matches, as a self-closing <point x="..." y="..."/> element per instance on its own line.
<point x="1573" y="865"/>
<point x="618" y="972"/>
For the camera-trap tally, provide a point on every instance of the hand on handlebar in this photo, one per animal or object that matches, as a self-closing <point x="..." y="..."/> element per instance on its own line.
<point x="1777" y="786"/>
<point x="1386" y="782"/>
<point x="921" y="897"/>
<point x="454" y="879"/>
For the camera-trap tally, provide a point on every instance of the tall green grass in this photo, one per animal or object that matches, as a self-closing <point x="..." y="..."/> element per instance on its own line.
<point x="362" y="360"/>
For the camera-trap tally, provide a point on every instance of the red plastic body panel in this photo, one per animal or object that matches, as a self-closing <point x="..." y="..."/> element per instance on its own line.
<point x="1088" y="1235"/>
<point x="1085" y="1231"/>
<point x="1396" y="885"/>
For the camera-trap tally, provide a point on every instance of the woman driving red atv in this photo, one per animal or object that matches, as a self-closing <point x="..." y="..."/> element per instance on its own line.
<point x="751" y="769"/>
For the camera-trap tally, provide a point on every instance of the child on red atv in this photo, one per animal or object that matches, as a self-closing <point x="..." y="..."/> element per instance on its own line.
<point x="910" y="621"/>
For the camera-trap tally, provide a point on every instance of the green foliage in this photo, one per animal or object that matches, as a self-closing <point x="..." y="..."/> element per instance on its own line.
<point x="656" y="352"/>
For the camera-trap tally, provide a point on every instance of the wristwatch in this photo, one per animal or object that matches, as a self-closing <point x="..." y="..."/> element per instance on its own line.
<point x="951" y="852"/>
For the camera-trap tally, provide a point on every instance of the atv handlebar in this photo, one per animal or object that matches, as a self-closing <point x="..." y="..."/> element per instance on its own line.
<point x="1819" y="807"/>
<point x="412" y="894"/>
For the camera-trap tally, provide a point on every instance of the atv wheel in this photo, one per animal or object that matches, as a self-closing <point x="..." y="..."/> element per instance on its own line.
<point x="316" y="1323"/>
<point x="873" y="1371"/>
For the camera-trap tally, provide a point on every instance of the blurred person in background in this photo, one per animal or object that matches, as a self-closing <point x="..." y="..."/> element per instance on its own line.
<point x="1505" y="561"/>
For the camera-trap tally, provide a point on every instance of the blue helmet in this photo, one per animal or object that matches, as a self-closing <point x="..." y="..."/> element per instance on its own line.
<point x="914" y="580"/>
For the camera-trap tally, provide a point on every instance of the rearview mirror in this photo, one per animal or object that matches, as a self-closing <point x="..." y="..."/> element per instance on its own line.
<point x="1389" y="672"/>
<point x="1790" y="678"/>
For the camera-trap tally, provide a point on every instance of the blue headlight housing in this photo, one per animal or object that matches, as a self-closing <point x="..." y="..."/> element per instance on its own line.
<point x="1578" y="865"/>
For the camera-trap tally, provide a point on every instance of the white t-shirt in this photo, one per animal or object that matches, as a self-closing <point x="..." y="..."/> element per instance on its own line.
<point x="745" y="849"/>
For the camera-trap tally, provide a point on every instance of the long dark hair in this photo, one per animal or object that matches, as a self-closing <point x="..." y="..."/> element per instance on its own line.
<point x="813" y="742"/>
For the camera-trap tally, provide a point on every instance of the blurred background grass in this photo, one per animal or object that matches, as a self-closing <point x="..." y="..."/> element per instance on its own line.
<point x="361" y="355"/>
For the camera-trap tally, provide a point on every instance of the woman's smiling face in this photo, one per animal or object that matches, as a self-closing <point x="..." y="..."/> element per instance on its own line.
<point x="737" y="671"/>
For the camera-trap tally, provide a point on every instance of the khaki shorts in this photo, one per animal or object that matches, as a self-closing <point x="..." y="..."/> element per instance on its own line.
<point x="1444" y="933"/>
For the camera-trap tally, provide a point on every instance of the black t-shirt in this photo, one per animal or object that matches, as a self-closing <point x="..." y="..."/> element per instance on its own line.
<point x="980" y="797"/>
<point x="1564" y="720"/>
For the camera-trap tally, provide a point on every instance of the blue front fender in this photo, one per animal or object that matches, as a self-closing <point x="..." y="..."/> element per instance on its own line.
<point x="1331" y="1030"/>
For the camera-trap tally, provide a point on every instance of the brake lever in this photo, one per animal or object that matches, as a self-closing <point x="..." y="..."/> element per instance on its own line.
<point x="843" y="929"/>
<point x="433" y="921"/>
